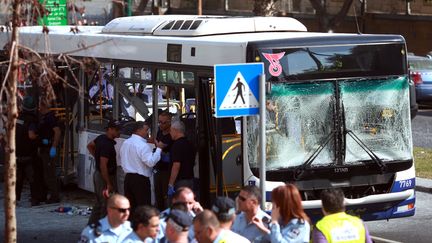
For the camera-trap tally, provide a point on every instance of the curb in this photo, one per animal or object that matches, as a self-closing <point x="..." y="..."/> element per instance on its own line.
<point x="423" y="189"/>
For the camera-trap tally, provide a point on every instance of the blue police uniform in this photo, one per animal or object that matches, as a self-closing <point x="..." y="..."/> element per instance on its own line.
<point x="104" y="233"/>
<point x="295" y="231"/>
<point x="134" y="238"/>
<point x="227" y="236"/>
<point x="162" y="225"/>
<point x="249" y="230"/>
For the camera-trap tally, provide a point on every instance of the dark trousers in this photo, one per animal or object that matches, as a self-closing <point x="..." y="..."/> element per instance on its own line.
<point x="30" y="168"/>
<point x="99" y="208"/>
<point x="184" y="183"/>
<point x="24" y="171"/>
<point x="49" y="171"/>
<point x="137" y="190"/>
<point x="39" y="181"/>
<point x="161" y="179"/>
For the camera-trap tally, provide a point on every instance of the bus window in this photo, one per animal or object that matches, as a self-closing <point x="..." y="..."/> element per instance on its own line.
<point x="100" y="90"/>
<point x="135" y="93"/>
<point x="136" y="73"/>
<point x="178" y="97"/>
<point x="321" y="62"/>
<point x="177" y="91"/>
<point x="175" y="77"/>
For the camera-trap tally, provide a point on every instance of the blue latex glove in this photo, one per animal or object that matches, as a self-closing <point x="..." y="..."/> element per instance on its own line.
<point x="45" y="141"/>
<point x="171" y="190"/>
<point x="53" y="152"/>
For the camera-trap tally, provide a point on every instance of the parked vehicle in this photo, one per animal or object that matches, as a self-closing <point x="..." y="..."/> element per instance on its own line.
<point x="421" y="75"/>
<point x="413" y="99"/>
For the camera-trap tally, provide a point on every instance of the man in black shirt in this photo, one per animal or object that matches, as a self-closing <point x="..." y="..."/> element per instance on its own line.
<point x="182" y="157"/>
<point x="26" y="150"/>
<point x="163" y="167"/>
<point x="103" y="150"/>
<point x="49" y="133"/>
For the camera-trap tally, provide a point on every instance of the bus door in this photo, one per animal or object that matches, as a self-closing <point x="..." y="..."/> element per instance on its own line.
<point x="95" y="110"/>
<point x="66" y="110"/>
<point x="224" y="141"/>
<point x="174" y="92"/>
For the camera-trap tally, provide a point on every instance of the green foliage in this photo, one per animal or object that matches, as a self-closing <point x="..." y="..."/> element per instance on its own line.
<point x="423" y="162"/>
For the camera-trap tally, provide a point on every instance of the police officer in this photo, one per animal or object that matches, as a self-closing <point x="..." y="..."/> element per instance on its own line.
<point x="145" y="223"/>
<point x="178" y="224"/>
<point x="103" y="150"/>
<point x="336" y="224"/>
<point x="224" y="209"/>
<point x="112" y="228"/>
<point x="49" y="133"/>
<point x="207" y="230"/>
<point x="26" y="149"/>
<point x="248" y="203"/>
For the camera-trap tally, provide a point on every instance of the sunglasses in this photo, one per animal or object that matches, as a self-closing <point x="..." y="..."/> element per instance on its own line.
<point x="242" y="198"/>
<point x="121" y="210"/>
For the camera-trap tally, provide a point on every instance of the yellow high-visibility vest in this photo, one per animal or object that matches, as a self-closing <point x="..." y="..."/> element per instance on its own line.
<point x="341" y="227"/>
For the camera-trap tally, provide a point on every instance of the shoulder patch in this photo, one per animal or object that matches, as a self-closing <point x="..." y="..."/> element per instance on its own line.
<point x="294" y="233"/>
<point x="83" y="239"/>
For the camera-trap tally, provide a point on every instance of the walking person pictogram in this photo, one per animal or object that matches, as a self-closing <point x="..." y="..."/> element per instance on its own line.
<point x="240" y="87"/>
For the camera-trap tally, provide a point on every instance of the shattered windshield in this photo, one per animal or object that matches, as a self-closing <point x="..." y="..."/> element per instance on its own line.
<point x="377" y="111"/>
<point x="314" y="88"/>
<point x="299" y="118"/>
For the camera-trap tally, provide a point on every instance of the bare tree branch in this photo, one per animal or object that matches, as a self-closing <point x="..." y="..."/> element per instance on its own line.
<point x="336" y="20"/>
<point x="327" y="22"/>
<point x="265" y="7"/>
<point x="2" y="90"/>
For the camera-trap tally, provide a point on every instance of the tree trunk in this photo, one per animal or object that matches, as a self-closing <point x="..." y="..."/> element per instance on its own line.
<point x="326" y="22"/>
<point x="199" y="7"/>
<point x="10" y="163"/>
<point x="118" y="8"/>
<point x="141" y="7"/>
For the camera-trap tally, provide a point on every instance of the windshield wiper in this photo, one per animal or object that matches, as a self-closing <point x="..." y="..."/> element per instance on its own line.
<point x="315" y="59"/>
<point x="371" y="154"/>
<point x="299" y="171"/>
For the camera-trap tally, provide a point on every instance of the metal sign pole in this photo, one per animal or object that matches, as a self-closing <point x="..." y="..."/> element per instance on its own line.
<point x="219" y="162"/>
<point x="262" y="138"/>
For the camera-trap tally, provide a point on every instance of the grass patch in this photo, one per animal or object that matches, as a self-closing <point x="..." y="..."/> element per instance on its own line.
<point x="423" y="162"/>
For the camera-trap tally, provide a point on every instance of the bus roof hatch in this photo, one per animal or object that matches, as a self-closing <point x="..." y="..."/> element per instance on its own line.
<point x="193" y="25"/>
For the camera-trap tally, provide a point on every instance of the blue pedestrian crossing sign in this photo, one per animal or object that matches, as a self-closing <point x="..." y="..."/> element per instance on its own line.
<point x="237" y="89"/>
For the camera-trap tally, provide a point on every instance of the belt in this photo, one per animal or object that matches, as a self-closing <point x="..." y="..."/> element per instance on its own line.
<point x="136" y="174"/>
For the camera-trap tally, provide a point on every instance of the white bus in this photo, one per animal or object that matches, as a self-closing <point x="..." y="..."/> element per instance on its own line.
<point x="338" y="112"/>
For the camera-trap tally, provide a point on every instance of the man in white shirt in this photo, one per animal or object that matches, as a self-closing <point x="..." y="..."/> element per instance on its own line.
<point x="137" y="160"/>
